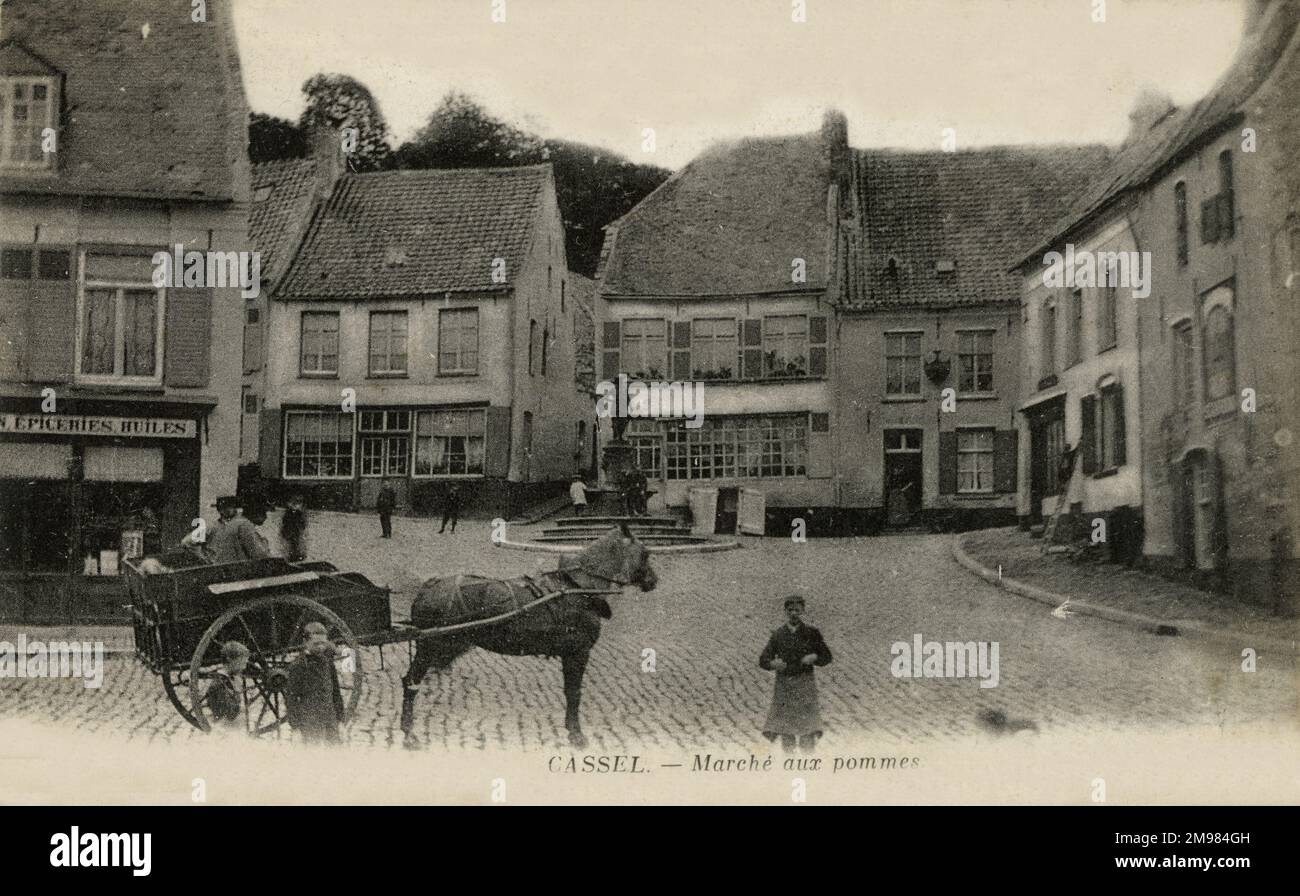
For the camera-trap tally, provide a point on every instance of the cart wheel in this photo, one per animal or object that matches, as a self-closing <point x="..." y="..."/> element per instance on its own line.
<point x="176" y="682"/>
<point x="272" y="630"/>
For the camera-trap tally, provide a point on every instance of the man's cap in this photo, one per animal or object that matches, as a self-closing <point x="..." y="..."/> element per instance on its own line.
<point x="233" y="650"/>
<point x="793" y="599"/>
<point x="226" y="501"/>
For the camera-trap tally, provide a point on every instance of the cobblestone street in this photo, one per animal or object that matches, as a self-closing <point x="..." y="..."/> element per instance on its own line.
<point x="707" y="622"/>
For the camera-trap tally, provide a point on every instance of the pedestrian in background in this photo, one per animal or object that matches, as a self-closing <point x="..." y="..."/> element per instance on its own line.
<point x="293" y="530"/>
<point x="385" y="503"/>
<point x="792" y="652"/>
<point x="313" y="699"/>
<point x="451" y="508"/>
<point x="578" y="495"/>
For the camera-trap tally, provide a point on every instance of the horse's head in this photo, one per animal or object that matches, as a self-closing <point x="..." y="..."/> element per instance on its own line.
<point x="616" y="557"/>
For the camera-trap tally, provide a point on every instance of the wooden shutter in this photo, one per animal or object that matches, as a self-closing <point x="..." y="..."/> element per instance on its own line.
<point x="1226" y="214"/>
<point x="269" y="439"/>
<point x="820" y="465"/>
<point x="611" y="342"/>
<point x="1088" y="433"/>
<point x="1005" y="460"/>
<point x="817" y="346"/>
<point x="947" y="463"/>
<point x="1121" y="440"/>
<point x="187" y="336"/>
<point x="252" y="341"/>
<point x="51" y="311"/>
<point x="681" y="350"/>
<point x="751" y="348"/>
<point x="496" y="453"/>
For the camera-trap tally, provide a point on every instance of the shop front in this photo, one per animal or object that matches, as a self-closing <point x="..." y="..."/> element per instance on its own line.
<point x="82" y="490"/>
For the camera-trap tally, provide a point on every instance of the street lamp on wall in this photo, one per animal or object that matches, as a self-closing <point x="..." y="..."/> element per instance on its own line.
<point x="937" y="367"/>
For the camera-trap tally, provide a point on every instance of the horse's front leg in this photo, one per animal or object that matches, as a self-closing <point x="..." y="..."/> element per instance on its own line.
<point x="575" y="666"/>
<point x="420" y="664"/>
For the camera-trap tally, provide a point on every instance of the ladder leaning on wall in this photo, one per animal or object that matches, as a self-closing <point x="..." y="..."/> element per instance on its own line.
<point x="1062" y="503"/>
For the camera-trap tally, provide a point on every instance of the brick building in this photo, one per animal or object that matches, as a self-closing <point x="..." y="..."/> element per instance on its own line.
<point x="124" y="134"/>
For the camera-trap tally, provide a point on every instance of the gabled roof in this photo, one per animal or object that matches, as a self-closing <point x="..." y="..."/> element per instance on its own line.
<point x="156" y="115"/>
<point x="951" y="222"/>
<point x="730" y="222"/>
<point x="282" y="197"/>
<point x="1147" y="156"/>
<point x="409" y="233"/>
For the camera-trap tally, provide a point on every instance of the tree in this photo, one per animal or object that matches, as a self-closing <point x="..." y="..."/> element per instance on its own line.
<point x="462" y="134"/>
<point x="594" y="187"/>
<point x="271" y="139"/>
<point x="340" y="101"/>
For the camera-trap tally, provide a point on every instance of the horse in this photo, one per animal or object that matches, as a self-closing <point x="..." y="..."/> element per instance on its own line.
<point x="566" y="626"/>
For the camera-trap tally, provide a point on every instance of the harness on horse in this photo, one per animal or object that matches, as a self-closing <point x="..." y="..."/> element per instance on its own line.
<point x="465" y="602"/>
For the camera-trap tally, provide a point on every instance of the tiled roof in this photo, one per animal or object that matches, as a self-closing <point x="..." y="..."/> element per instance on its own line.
<point x="952" y="221"/>
<point x="282" y="194"/>
<point x="730" y="222"/>
<point x="1146" y="156"/>
<point x="404" y="233"/>
<point x="156" y="115"/>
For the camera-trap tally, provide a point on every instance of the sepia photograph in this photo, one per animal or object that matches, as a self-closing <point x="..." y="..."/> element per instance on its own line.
<point x="616" y="402"/>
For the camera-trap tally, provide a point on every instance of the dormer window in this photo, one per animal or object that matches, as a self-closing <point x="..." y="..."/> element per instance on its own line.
<point x="26" y="112"/>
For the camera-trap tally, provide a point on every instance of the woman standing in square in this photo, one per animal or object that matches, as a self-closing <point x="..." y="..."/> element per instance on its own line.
<point x="792" y="652"/>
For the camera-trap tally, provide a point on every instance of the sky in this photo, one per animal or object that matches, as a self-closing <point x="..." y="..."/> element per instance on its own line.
<point x="702" y="71"/>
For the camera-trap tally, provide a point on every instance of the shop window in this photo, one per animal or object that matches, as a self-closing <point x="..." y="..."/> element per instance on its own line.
<point x="450" y="442"/>
<point x="737" y="447"/>
<point x="647" y="438"/>
<point x="318" y="445"/>
<point x="385" y="442"/>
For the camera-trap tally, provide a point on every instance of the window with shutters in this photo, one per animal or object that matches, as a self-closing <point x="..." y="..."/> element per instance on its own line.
<point x="1111" y="438"/>
<point x="320" y="344"/>
<point x="974" y="361"/>
<point x="1107" y="311"/>
<point x="1220" y="375"/>
<point x="903" y="364"/>
<point x="385" y="442"/>
<point x="119" y="321"/>
<point x="785" y="345"/>
<point x="458" y="341"/>
<point x="252" y="339"/>
<point x="449" y="443"/>
<point x="645" y="348"/>
<point x="1227" y="211"/>
<point x="388" y="343"/>
<point x="713" y="348"/>
<point x="318" y="445"/>
<point x="1180" y="221"/>
<point x="974" y="461"/>
<point x="1074" y="342"/>
<point x="27" y="108"/>
<point x="1047" y="336"/>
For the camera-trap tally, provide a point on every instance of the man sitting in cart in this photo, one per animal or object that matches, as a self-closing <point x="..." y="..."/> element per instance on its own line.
<point x="231" y="539"/>
<point x="312" y="696"/>
<point x="225" y="697"/>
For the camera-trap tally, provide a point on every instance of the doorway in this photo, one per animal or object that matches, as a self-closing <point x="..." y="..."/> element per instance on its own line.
<point x="904" y="476"/>
<point x="1046" y="445"/>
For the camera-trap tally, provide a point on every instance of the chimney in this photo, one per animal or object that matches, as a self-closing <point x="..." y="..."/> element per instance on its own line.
<point x="1150" y="107"/>
<point x="835" y="148"/>
<point x="326" y="146"/>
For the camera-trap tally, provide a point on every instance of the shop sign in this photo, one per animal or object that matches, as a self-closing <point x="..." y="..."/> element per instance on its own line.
<point x="98" y="425"/>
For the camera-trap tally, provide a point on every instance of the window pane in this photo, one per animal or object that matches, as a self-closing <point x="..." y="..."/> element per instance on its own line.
<point x="141" y="331"/>
<point x="98" y="332"/>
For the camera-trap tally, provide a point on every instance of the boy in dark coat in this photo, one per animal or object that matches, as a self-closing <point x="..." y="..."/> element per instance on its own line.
<point x="312" y="695"/>
<point x="792" y="653"/>
<point x="293" y="530"/>
<point x="451" y="508"/>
